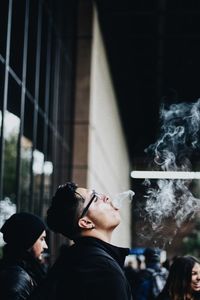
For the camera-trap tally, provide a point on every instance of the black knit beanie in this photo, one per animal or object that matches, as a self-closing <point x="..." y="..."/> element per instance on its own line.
<point x="22" y="230"/>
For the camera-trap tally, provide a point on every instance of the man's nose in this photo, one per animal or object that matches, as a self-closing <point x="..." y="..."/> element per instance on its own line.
<point x="45" y="246"/>
<point x="107" y="199"/>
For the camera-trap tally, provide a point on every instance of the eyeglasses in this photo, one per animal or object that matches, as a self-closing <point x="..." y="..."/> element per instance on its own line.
<point x="88" y="205"/>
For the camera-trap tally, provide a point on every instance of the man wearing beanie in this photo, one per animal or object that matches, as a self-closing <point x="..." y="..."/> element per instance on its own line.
<point x="20" y="268"/>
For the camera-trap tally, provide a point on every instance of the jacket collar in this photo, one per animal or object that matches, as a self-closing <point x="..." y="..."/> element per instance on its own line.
<point x="118" y="253"/>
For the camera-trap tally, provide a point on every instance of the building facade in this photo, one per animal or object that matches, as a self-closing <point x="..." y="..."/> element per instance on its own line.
<point x="58" y="108"/>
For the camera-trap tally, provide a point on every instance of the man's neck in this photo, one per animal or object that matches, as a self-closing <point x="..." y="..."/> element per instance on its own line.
<point x="106" y="237"/>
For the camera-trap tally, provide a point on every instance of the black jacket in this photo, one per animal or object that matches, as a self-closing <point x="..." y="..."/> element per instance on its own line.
<point x="146" y="286"/>
<point x="89" y="270"/>
<point x="164" y="295"/>
<point x="20" y="273"/>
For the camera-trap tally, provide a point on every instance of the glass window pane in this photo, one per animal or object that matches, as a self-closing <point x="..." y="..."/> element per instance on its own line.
<point x="38" y="162"/>
<point x="40" y="133"/>
<point x="17" y="40"/>
<point x="11" y="133"/>
<point x="26" y="148"/>
<point x="43" y="61"/>
<point x="28" y="119"/>
<point x="2" y="70"/>
<point x="26" y="143"/>
<point x="3" y="26"/>
<point x="14" y="97"/>
<point x="32" y="45"/>
<point x="12" y="123"/>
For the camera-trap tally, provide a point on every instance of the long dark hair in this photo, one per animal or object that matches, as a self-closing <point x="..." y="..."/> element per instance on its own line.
<point x="178" y="283"/>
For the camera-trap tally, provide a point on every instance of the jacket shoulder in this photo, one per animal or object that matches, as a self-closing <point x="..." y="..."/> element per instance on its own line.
<point x="15" y="283"/>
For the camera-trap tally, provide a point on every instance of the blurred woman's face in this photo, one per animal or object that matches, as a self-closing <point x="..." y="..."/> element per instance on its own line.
<point x="195" y="280"/>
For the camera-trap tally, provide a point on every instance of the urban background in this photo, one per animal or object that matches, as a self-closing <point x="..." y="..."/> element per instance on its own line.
<point x="83" y="86"/>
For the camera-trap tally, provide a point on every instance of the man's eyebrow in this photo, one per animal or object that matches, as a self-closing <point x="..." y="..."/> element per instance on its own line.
<point x="80" y="195"/>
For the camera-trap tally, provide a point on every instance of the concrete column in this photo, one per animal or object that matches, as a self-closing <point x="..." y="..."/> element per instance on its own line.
<point x="82" y="93"/>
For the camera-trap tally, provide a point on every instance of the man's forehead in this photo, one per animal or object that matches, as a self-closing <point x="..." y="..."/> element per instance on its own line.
<point x="83" y="192"/>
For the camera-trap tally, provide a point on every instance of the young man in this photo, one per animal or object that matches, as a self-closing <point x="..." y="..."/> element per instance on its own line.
<point x="91" y="268"/>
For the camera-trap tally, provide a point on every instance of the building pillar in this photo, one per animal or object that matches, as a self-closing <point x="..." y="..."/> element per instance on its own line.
<point x="82" y="92"/>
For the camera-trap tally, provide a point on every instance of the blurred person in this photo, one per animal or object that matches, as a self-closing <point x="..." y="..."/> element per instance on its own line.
<point x="183" y="282"/>
<point x="131" y="273"/>
<point x="166" y="264"/>
<point x="91" y="268"/>
<point x="20" y="267"/>
<point x="150" y="281"/>
<point x="140" y="263"/>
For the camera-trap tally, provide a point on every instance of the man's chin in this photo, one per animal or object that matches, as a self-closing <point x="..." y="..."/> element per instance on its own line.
<point x="40" y="257"/>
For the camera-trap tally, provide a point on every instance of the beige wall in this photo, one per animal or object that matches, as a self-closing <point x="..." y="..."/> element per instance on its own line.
<point x="108" y="163"/>
<point x="82" y="92"/>
<point x="100" y="158"/>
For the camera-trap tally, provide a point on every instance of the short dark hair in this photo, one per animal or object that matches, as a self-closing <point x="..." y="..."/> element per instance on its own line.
<point x="65" y="209"/>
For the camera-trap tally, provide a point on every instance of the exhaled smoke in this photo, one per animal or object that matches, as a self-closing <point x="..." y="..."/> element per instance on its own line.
<point x="118" y="200"/>
<point x="179" y="140"/>
<point x="7" y="208"/>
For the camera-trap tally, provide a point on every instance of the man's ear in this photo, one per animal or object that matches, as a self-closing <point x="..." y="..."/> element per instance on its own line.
<point x="85" y="223"/>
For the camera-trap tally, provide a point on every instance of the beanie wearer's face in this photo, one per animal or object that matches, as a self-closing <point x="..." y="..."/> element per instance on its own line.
<point x="22" y="230"/>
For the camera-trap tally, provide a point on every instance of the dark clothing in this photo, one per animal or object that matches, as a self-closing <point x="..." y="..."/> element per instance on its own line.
<point x="20" y="273"/>
<point x="131" y="275"/>
<point x="145" y="283"/>
<point x="165" y="296"/>
<point x="89" y="270"/>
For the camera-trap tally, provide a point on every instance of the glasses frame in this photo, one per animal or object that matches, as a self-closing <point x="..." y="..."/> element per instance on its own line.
<point x="85" y="210"/>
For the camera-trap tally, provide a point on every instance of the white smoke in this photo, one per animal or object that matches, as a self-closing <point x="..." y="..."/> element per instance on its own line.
<point x="178" y="141"/>
<point x="118" y="200"/>
<point x="7" y="209"/>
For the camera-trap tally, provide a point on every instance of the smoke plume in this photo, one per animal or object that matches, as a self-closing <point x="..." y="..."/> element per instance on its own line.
<point x="177" y="144"/>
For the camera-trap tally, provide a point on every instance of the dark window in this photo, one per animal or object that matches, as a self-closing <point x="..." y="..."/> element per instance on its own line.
<point x="37" y="88"/>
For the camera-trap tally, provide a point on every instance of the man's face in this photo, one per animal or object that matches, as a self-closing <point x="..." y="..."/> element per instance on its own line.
<point x="101" y="210"/>
<point x="39" y="246"/>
